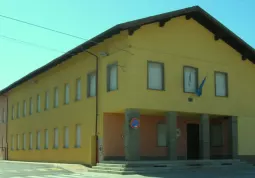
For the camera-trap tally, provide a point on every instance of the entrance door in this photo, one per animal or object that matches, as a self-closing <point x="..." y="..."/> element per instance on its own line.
<point x="193" y="141"/>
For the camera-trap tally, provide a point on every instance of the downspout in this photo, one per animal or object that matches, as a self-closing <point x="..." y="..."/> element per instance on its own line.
<point x="97" y="59"/>
<point x="6" y="136"/>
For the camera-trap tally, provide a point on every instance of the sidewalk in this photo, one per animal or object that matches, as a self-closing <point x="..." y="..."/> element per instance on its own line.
<point x="76" y="168"/>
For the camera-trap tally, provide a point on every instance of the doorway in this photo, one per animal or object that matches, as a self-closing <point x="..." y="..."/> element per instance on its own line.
<point x="192" y="141"/>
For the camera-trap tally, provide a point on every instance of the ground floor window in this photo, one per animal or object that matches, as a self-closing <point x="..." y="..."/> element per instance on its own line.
<point x="161" y="135"/>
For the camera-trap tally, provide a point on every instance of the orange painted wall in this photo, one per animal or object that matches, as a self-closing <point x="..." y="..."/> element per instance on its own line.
<point x="114" y="140"/>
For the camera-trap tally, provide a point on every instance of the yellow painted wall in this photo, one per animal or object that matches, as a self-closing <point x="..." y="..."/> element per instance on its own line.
<point x="76" y="112"/>
<point x="185" y="42"/>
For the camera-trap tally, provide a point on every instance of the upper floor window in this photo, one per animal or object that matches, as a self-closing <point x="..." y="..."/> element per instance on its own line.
<point x="55" y="97"/>
<point x="67" y="93"/>
<point x="13" y="112"/>
<point x="92" y="84"/>
<point x="47" y="100"/>
<point x="3" y="115"/>
<point x="38" y="109"/>
<point x="112" y="77"/>
<point x="155" y="76"/>
<point x="30" y="105"/>
<point x="18" y="110"/>
<point x="24" y="108"/>
<point x="190" y="77"/>
<point x="221" y="84"/>
<point x="78" y="89"/>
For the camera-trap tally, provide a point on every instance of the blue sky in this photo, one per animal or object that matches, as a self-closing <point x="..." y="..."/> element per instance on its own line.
<point x="87" y="18"/>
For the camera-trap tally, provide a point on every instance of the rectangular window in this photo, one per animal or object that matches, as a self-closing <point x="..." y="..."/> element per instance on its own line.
<point x="78" y="89"/>
<point x="155" y="76"/>
<point x="12" y="142"/>
<point x="18" y="142"/>
<point x="162" y="133"/>
<point x="30" y="105"/>
<point x="221" y="84"/>
<point x="47" y="102"/>
<point x="30" y="141"/>
<point x="92" y="84"/>
<point x="13" y="112"/>
<point x="112" y="77"/>
<point x="38" y="103"/>
<point x="18" y="110"/>
<point x="46" y="137"/>
<point x="3" y="115"/>
<point x="78" y="136"/>
<point x="190" y="77"/>
<point x="66" y="137"/>
<point x="67" y="92"/>
<point x="24" y="141"/>
<point x="216" y="135"/>
<point x="55" y="138"/>
<point x="24" y="108"/>
<point x="55" y="97"/>
<point x="38" y="139"/>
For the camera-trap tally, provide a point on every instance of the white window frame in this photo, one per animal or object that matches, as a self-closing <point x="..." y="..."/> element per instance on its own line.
<point x="190" y="79"/>
<point x="47" y="100"/>
<point x="112" y="81"/>
<point x="155" y="82"/>
<point x="66" y="137"/>
<point x="38" y="140"/>
<point x="219" y="91"/>
<point x="24" y="108"/>
<point x="216" y="134"/>
<point x="67" y="93"/>
<point x="55" y="146"/>
<point x="24" y="141"/>
<point x="162" y="135"/>
<point x="46" y="139"/>
<point x="30" y="106"/>
<point x="91" y="84"/>
<point x="30" y="141"/>
<point x="78" y="89"/>
<point x="56" y="99"/>
<point x="78" y="136"/>
<point x="38" y="103"/>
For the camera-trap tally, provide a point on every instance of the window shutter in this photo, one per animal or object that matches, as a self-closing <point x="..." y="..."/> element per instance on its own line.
<point x="221" y="88"/>
<point x="155" y="76"/>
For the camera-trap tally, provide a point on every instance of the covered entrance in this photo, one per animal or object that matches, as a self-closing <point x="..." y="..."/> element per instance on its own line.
<point x="170" y="136"/>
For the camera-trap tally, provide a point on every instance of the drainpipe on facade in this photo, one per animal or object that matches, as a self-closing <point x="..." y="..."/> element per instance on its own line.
<point x="97" y="59"/>
<point x="6" y="136"/>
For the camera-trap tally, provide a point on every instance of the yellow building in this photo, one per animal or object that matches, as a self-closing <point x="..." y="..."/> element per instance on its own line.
<point x="147" y="101"/>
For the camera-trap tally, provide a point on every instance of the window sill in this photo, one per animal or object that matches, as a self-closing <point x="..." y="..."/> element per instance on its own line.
<point x="38" y="149"/>
<point x="45" y="148"/>
<point x="91" y="96"/>
<point x="55" y="107"/>
<point x="77" y="146"/>
<point x="76" y="100"/>
<point x="46" y="109"/>
<point x="65" y="147"/>
<point x="112" y="90"/>
<point x="66" y="103"/>
<point x="221" y="96"/>
<point x="55" y="148"/>
<point x="156" y="89"/>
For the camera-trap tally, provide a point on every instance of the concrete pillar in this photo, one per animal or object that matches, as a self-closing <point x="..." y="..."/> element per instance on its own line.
<point x="171" y="120"/>
<point x="204" y="136"/>
<point x="233" y="137"/>
<point x="131" y="136"/>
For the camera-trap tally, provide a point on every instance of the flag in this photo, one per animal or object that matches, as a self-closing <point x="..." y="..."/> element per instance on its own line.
<point x="199" y="90"/>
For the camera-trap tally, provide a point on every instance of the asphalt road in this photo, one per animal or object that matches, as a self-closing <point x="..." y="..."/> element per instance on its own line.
<point x="27" y="170"/>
